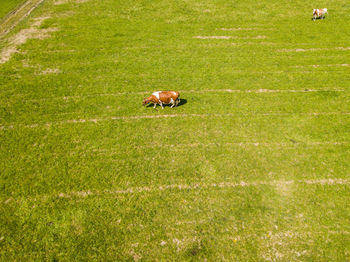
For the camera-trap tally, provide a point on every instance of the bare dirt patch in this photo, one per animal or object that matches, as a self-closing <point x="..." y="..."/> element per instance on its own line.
<point x="39" y="20"/>
<point x="66" y="14"/>
<point x="22" y="36"/>
<point x="6" y="54"/>
<point x="61" y="2"/>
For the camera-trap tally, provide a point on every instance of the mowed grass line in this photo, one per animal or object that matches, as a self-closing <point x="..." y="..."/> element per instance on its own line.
<point x="258" y="173"/>
<point x="104" y="108"/>
<point x="123" y="158"/>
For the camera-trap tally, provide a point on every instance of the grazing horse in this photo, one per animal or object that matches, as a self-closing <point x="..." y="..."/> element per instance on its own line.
<point x="319" y="13"/>
<point x="163" y="97"/>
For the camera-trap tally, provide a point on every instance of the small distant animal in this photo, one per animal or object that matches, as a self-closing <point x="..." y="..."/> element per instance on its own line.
<point x="163" y="98"/>
<point x="319" y="13"/>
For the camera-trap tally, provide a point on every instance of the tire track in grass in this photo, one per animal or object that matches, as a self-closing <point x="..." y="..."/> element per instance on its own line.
<point x="237" y="29"/>
<point x="15" y="17"/>
<point x="317" y="66"/>
<point x="340" y="48"/>
<point x="116" y="118"/>
<point x="220" y="185"/>
<point x="245" y="29"/>
<point x="107" y="152"/>
<point x="289" y="145"/>
<point x="245" y="144"/>
<point x="229" y="37"/>
<point x="185" y="187"/>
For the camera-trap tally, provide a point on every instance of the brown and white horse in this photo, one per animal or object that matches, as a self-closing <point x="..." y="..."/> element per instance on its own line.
<point x="163" y="98"/>
<point x="319" y="13"/>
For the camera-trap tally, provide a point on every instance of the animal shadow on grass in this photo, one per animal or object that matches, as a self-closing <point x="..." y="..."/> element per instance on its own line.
<point x="318" y="18"/>
<point x="182" y="102"/>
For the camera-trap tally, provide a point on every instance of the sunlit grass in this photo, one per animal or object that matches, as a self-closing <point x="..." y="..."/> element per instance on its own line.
<point x="252" y="166"/>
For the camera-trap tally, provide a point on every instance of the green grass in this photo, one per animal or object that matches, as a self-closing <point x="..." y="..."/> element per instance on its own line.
<point x="8" y="5"/>
<point x="87" y="173"/>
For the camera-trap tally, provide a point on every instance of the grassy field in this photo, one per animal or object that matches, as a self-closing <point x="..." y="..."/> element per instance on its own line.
<point x="252" y="166"/>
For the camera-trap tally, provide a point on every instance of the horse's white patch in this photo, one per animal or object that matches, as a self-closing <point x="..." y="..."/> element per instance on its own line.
<point x="156" y="94"/>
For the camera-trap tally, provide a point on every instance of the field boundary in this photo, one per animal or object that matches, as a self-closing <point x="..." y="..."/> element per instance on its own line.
<point x="17" y="15"/>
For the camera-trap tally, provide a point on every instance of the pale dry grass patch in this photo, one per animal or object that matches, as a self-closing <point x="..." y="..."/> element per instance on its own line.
<point x="61" y="2"/>
<point x="314" y="49"/>
<point x="185" y="243"/>
<point x="212" y="37"/>
<point x="259" y="43"/>
<point x="69" y="13"/>
<point x="230" y="37"/>
<point x="329" y="181"/>
<point x="117" y="118"/>
<point x="277" y="184"/>
<point x="326" y="65"/>
<point x="278" y="246"/>
<point x="22" y="36"/>
<point x="236" y="29"/>
<point x="39" y="20"/>
<point x="136" y="257"/>
<point x="49" y="71"/>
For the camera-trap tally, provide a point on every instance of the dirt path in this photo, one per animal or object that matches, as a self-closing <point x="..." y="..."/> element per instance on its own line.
<point x="17" y="15"/>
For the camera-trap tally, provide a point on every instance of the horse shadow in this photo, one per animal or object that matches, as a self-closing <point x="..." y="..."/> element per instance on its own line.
<point x="182" y="102"/>
<point x="318" y="18"/>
